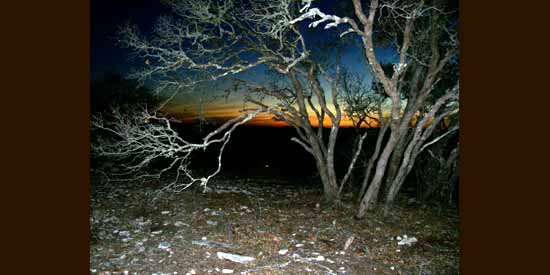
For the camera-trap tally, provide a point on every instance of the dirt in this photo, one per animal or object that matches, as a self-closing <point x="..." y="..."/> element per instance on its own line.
<point x="136" y="230"/>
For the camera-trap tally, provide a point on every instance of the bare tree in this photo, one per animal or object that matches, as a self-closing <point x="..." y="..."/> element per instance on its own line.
<point x="408" y="19"/>
<point x="207" y="40"/>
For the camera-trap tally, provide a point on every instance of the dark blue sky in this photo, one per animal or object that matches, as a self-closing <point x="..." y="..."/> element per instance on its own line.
<point x="108" y="15"/>
<point x="107" y="57"/>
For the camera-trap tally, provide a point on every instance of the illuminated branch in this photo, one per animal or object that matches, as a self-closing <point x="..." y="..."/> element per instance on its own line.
<point x="137" y="142"/>
<point x="207" y="40"/>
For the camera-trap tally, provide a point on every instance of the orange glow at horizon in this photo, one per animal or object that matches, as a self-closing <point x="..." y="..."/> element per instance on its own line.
<point x="227" y="113"/>
<point x="222" y="112"/>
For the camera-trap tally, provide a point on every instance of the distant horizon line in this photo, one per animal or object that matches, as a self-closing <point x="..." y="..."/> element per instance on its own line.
<point x="252" y="123"/>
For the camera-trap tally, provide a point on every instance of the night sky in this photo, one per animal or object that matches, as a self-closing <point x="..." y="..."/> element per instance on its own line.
<point x="107" y="57"/>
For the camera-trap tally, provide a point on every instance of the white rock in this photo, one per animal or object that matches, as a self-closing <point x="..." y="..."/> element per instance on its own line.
<point x="234" y="257"/>
<point x="165" y="212"/>
<point x="392" y="268"/>
<point x="348" y="242"/>
<point x="407" y="241"/>
<point x="164" y="245"/>
<point x="192" y="271"/>
<point x="300" y="245"/>
<point x="211" y="222"/>
<point x="227" y="271"/>
<point x="283" y="251"/>
<point x="320" y="258"/>
<point x="179" y="223"/>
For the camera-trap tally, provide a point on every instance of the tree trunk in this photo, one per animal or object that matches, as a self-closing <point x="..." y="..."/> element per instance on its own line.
<point x="407" y="163"/>
<point x="395" y="161"/>
<point x="394" y="188"/>
<point x="369" y="200"/>
<point x="372" y="160"/>
<point x="330" y="186"/>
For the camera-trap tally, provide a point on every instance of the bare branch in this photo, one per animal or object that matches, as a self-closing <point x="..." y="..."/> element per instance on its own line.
<point x="352" y="164"/>
<point x="138" y="141"/>
<point x="450" y="131"/>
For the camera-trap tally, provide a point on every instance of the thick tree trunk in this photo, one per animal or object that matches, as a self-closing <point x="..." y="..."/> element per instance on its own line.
<point x="407" y="162"/>
<point x="395" y="186"/>
<point x="395" y="161"/>
<point x="330" y="186"/>
<point x="370" y="198"/>
<point x="372" y="160"/>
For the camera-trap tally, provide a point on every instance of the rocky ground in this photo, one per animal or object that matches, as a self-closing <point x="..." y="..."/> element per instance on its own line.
<point x="282" y="227"/>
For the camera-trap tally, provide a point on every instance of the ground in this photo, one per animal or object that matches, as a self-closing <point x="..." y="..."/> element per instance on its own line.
<point x="135" y="230"/>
